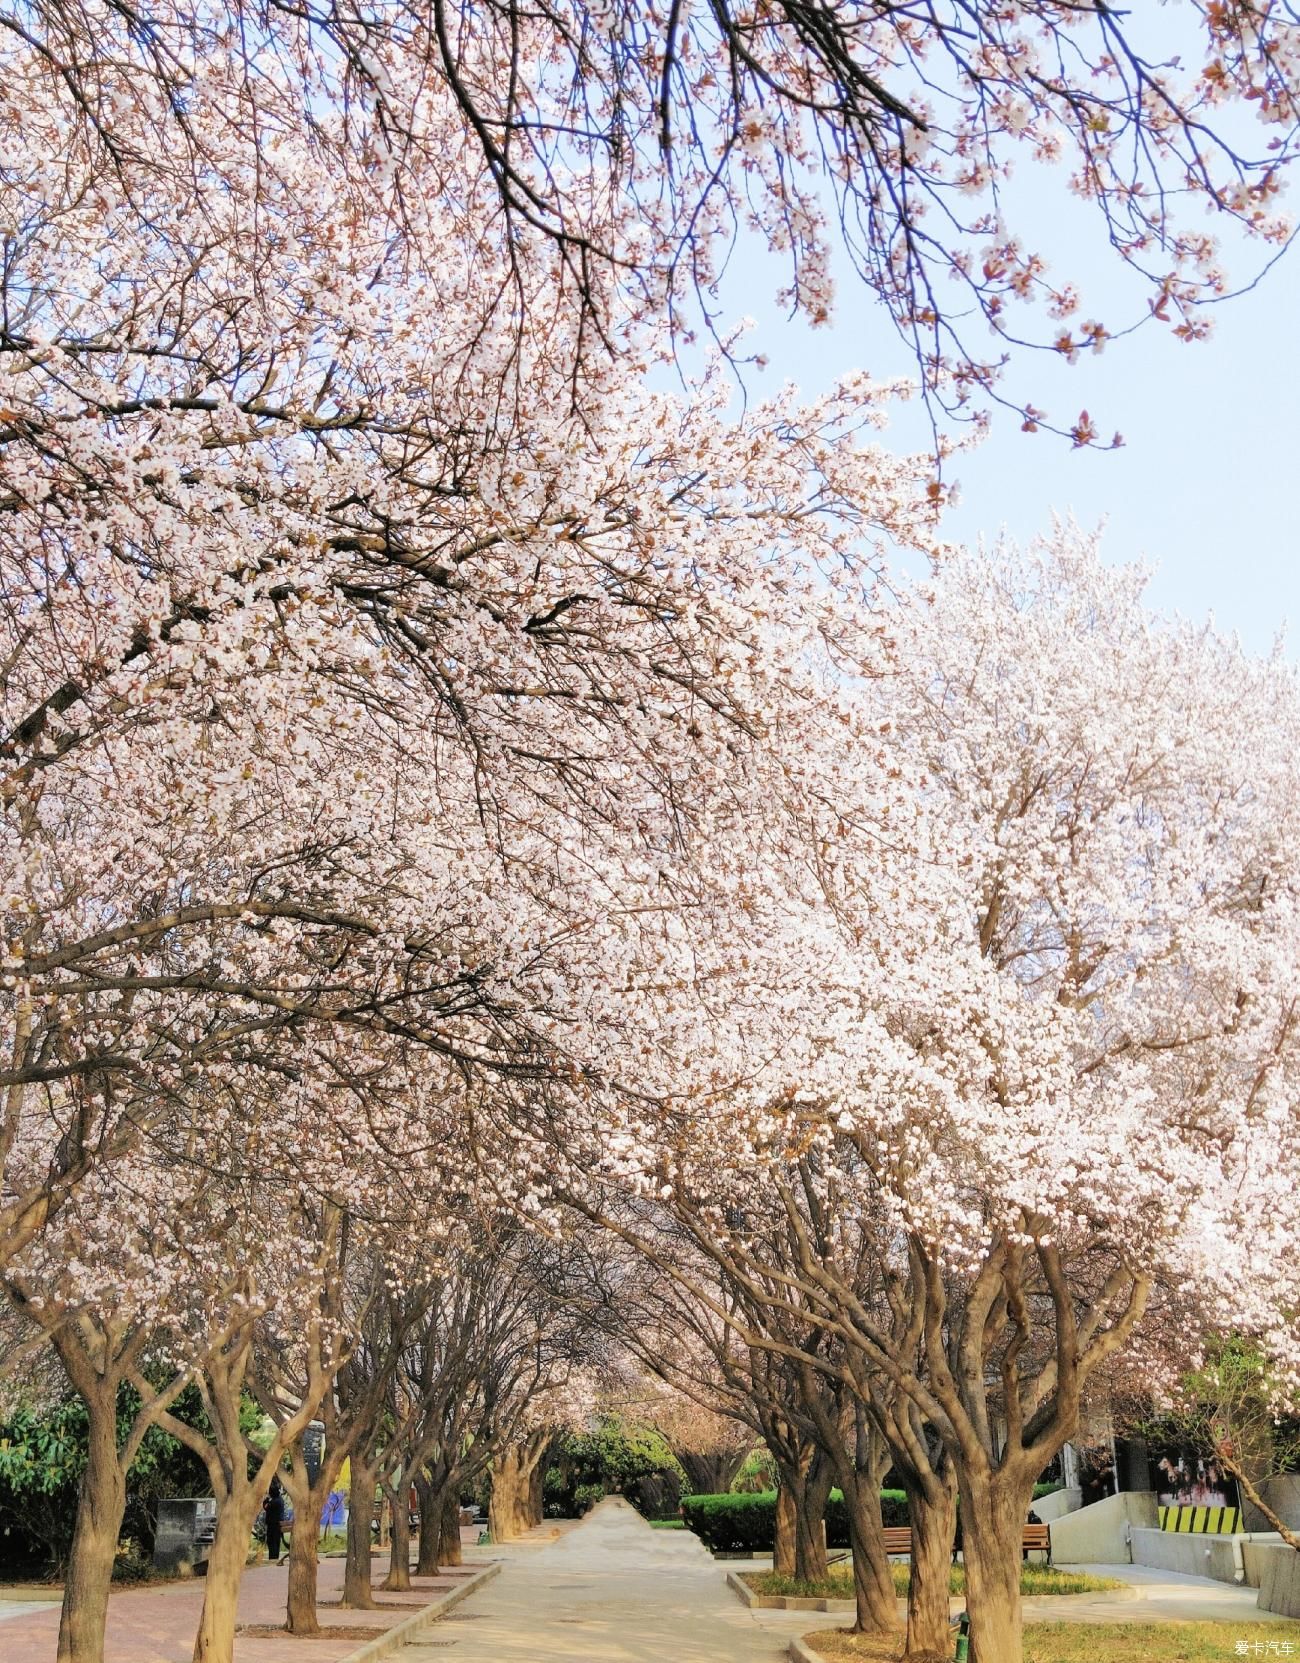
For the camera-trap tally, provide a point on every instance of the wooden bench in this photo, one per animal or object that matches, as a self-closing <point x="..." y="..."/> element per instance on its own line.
<point x="1034" y="1538"/>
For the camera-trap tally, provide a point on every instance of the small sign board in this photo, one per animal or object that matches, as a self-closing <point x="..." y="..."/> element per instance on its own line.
<point x="313" y="1448"/>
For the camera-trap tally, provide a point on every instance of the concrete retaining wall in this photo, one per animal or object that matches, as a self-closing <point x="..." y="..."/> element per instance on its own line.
<point x="1196" y="1555"/>
<point x="1253" y="1549"/>
<point x="1189" y="1554"/>
<point x="1098" y="1535"/>
<point x="1279" y="1579"/>
<point x="1059" y="1503"/>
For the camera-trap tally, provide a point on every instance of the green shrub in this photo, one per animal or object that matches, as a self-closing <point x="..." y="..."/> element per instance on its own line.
<point x="619" y="1457"/>
<point x="586" y="1496"/>
<point x="757" y="1473"/>
<point x="732" y="1523"/>
<point x="747" y="1523"/>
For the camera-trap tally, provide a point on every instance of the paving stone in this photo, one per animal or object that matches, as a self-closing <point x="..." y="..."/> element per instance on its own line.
<point x="157" y="1624"/>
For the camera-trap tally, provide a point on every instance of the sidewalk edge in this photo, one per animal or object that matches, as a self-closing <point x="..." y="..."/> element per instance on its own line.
<point x="785" y="1602"/>
<point x="401" y="1633"/>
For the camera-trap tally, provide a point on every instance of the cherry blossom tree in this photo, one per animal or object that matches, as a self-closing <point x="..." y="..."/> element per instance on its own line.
<point x="634" y="144"/>
<point x="709" y="1447"/>
<point x="1049" y="1056"/>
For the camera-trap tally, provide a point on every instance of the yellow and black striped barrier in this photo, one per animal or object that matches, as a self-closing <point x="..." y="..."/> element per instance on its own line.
<point x="1201" y="1521"/>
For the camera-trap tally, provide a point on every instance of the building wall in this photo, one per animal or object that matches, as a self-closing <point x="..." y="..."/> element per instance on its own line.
<point x="1283" y="1496"/>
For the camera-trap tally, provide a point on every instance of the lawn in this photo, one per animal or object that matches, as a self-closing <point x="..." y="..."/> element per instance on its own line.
<point x="1094" y="1642"/>
<point x="1034" y="1579"/>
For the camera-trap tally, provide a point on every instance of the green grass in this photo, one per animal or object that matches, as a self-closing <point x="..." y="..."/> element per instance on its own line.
<point x="668" y="1524"/>
<point x="1091" y="1642"/>
<point x="1034" y="1579"/>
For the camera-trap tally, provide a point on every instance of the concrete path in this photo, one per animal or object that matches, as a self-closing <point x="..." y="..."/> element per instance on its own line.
<point x="612" y="1591"/>
<point x="25" y="1607"/>
<point x="1153" y="1596"/>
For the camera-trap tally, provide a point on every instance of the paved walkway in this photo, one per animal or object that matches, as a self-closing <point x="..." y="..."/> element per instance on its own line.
<point x="1153" y="1596"/>
<point x="611" y="1591"/>
<point x="614" y="1591"/>
<point x="608" y="1590"/>
<point x="157" y="1624"/>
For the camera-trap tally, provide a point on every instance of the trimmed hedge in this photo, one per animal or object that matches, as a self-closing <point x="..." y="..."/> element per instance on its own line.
<point x="739" y="1523"/>
<point x="747" y="1523"/>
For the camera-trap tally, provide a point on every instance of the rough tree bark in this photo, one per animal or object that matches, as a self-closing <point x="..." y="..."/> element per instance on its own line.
<point x="711" y="1472"/>
<point x="802" y="1493"/>
<point x="1252" y="1495"/>
<point x="398" y="1579"/>
<point x="510" y="1507"/>
<point x="932" y="1512"/>
<point x="873" y="1581"/>
<point x="449" y="1545"/>
<point x="215" y="1640"/>
<point x="535" y="1502"/>
<point x="304" y="1541"/>
<point x="357" y="1592"/>
<point x="858" y="1456"/>
<point x="100" y="1506"/>
<point x="430" y="1540"/>
<point x="783" y="1539"/>
<point x="993" y="1514"/>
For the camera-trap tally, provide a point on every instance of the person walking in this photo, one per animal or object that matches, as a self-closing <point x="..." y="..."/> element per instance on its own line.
<point x="274" y="1513"/>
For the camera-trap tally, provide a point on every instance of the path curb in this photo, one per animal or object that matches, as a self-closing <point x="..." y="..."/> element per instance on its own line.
<point x="785" y="1602"/>
<point x="802" y="1652"/>
<point x="392" y="1639"/>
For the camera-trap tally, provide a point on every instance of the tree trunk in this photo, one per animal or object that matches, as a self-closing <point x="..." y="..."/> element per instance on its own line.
<point x="356" y="1569"/>
<point x="810" y="1563"/>
<point x="215" y="1640"/>
<point x="428" y="1553"/>
<point x="873" y="1581"/>
<point x="100" y="1506"/>
<point x="304" y="1540"/>
<point x="398" y="1579"/>
<point x="933" y="1524"/>
<point x="536" y="1499"/>
<point x="710" y="1471"/>
<point x="449" y="1552"/>
<point x="992" y="1517"/>
<point x="783" y="1540"/>
<point x="504" y="1508"/>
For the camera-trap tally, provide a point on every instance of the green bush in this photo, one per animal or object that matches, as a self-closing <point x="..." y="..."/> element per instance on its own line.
<point x="757" y="1473"/>
<point x="732" y="1523"/>
<point x="42" y="1457"/>
<point x="747" y="1523"/>
<point x="618" y="1457"/>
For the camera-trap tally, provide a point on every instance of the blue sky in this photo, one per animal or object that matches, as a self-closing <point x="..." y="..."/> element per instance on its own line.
<point x="1205" y="488"/>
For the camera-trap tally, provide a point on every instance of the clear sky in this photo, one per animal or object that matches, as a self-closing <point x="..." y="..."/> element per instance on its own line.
<point x="1205" y="489"/>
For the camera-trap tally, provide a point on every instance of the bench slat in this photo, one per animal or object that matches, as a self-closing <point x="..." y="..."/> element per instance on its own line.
<point x="1034" y="1538"/>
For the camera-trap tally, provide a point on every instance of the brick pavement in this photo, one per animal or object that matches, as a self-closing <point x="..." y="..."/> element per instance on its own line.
<point x="157" y="1624"/>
